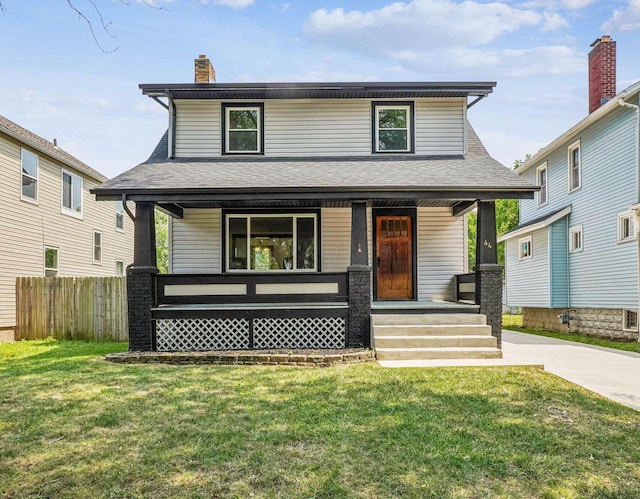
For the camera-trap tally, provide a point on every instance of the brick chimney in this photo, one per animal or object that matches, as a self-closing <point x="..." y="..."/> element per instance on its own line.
<point x="602" y="72"/>
<point x="204" y="72"/>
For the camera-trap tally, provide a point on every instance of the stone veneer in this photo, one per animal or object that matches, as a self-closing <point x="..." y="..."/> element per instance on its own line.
<point x="598" y="322"/>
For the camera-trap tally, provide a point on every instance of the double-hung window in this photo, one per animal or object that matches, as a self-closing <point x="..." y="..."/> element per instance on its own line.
<point x="575" y="239"/>
<point x="71" y="194"/>
<point x="575" y="166"/>
<point x="50" y="261"/>
<point x="392" y="127"/>
<point x="543" y="193"/>
<point x="243" y="128"/>
<point x="525" y="247"/>
<point x="626" y="227"/>
<point x="119" y="216"/>
<point x="29" y="162"/>
<point x="272" y="242"/>
<point x="97" y="247"/>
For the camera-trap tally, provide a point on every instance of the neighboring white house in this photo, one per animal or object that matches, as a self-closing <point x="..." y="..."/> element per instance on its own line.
<point x="575" y="252"/>
<point x="50" y="224"/>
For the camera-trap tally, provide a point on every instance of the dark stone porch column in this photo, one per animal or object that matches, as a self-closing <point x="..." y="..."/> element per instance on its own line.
<point x="141" y="280"/>
<point x="488" y="272"/>
<point x="359" y="333"/>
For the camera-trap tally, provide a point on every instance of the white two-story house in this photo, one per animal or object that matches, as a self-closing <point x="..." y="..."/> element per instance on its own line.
<point x="299" y="210"/>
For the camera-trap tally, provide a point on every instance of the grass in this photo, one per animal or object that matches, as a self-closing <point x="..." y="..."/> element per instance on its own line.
<point x="73" y="425"/>
<point x="514" y="323"/>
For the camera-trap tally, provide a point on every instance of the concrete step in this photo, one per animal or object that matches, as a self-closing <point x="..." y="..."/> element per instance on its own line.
<point x="461" y="341"/>
<point x="432" y="330"/>
<point x="437" y="353"/>
<point x="426" y="319"/>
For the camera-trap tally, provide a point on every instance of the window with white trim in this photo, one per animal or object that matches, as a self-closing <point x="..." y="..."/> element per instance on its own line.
<point x="575" y="239"/>
<point x="626" y="227"/>
<point x="392" y="127"/>
<point x="71" y="194"/>
<point x="29" y="165"/>
<point x="274" y="242"/>
<point x="120" y="216"/>
<point x="575" y="166"/>
<point x="50" y="261"/>
<point x="97" y="247"/>
<point x="119" y="268"/>
<point x="243" y="128"/>
<point x="630" y="320"/>
<point x="543" y="193"/>
<point x="525" y="247"/>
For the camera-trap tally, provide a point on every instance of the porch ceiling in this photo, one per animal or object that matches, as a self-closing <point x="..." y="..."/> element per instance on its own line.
<point x="327" y="203"/>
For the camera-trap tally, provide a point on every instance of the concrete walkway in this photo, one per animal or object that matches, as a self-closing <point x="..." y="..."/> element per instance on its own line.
<point x="614" y="374"/>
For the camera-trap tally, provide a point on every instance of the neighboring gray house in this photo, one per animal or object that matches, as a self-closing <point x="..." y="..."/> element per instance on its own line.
<point x="575" y="252"/>
<point x="50" y="225"/>
<point x="283" y="195"/>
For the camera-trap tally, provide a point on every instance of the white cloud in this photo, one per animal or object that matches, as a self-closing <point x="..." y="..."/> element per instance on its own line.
<point x="555" y="4"/>
<point x="625" y="19"/>
<point x="285" y="7"/>
<point x="234" y="4"/>
<point x="553" y="21"/>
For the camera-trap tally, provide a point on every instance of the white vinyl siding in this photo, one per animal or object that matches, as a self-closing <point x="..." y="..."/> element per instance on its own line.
<point x="196" y="242"/>
<point x="26" y="228"/>
<point x="441" y="252"/>
<point x="197" y="129"/>
<point x="322" y="127"/>
<point x="528" y="279"/>
<point x="336" y="239"/>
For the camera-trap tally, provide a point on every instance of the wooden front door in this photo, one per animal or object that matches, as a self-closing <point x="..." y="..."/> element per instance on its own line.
<point x="393" y="259"/>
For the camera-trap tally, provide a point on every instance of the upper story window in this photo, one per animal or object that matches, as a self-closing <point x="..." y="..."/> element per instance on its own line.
<point x="575" y="166"/>
<point x="29" y="163"/>
<point x="575" y="239"/>
<point x="243" y="128"/>
<point x="285" y="242"/>
<point x="71" y="194"/>
<point x="393" y="127"/>
<point x="50" y="261"/>
<point x="97" y="247"/>
<point x="543" y="193"/>
<point x="120" y="216"/>
<point x="626" y="227"/>
<point x="525" y="245"/>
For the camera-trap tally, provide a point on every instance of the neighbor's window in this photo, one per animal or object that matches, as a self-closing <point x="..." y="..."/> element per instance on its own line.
<point x="575" y="239"/>
<point x="243" y="129"/>
<point x="575" y="166"/>
<point x="272" y="242"/>
<point x="71" y="194"/>
<point x="29" y="175"/>
<point x="630" y="320"/>
<point x="97" y="246"/>
<point x="525" y="247"/>
<point x="119" y="268"/>
<point x="543" y="183"/>
<point x="626" y="227"/>
<point x="119" y="216"/>
<point x="392" y="127"/>
<point x="50" y="261"/>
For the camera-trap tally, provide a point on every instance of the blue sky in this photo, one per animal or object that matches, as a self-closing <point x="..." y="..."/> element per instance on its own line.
<point x="57" y="82"/>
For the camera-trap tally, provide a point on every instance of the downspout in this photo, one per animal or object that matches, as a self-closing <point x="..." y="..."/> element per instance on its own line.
<point x="126" y="208"/>
<point x="636" y="108"/>
<point x="172" y="125"/>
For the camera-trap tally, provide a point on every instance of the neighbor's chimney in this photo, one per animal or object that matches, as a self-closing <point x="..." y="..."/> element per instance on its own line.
<point x="204" y="72"/>
<point x="602" y="72"/>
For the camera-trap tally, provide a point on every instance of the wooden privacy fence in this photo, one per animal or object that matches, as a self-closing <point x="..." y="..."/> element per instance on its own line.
<point x="71" y="308"/>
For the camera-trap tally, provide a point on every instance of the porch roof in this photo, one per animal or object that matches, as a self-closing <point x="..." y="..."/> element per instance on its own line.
<point x="473" y="176"/>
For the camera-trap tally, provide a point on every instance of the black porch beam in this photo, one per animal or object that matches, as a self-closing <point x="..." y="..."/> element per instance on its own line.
<point x="171" y="209"/>
<point x="463" y="207"/>
<point x="486" y="235"/>
<point x="359" y="242"/>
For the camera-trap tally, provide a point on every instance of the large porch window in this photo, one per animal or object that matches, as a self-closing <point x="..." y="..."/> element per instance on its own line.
<point x="281" y="242"/>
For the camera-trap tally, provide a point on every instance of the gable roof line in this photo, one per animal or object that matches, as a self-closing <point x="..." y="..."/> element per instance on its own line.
<point x="599" y="113"/>
<point x="539" y="223"/>
<point x="43" y="146"/>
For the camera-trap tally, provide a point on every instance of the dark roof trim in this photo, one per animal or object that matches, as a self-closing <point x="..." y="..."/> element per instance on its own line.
<point x="305" y="90"/>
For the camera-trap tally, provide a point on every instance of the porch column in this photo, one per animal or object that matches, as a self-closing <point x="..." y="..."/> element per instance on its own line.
<point x="488" y="272"/>
<point x="141" y="280"/>
<point x="359" y="333"/>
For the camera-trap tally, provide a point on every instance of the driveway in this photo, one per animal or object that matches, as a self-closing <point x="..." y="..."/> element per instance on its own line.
<point x="614" y="374"/>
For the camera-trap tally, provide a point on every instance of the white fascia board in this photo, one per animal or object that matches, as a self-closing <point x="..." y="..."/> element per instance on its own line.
<point x="540" y="225"/>
<point x="569" y="134"/>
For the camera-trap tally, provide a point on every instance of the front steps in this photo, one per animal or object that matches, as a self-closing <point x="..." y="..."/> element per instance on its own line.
<point x="433" y="336"/>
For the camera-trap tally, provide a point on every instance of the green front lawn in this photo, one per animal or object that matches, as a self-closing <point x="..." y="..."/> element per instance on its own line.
<point x="73" y="425"/>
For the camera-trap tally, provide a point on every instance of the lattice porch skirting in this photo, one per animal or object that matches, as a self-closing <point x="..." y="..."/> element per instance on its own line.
<point x="246" y="333"/>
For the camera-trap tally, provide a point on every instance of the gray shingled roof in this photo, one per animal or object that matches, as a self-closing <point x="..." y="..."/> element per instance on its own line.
<point x="475" y="171"/>
<point x="44" y="146"/>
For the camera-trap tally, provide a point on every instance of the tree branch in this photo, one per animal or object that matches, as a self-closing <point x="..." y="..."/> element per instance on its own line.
<point x="90" y="24"/>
